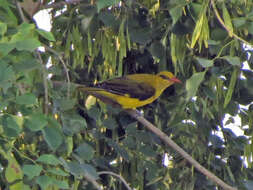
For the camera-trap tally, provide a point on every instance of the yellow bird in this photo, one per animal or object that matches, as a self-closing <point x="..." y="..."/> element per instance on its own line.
<point x="132" y="91"/>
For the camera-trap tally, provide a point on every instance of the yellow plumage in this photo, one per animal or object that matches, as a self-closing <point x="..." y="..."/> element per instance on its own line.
<point x="131" y="91"/>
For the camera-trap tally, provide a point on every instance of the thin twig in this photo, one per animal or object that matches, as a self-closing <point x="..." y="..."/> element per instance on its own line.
<point x="87" y="176"/>
<point x="59" y="4"/>
<point x="225" y="27"/>
<point x="177" y="148"/>
<point x="21" y="13"/>
<point x="93" y="182"/>
<point x="44" y="73"/>
<point x="20" y="153"/>
<point x="116" y="175"/>
<point x="64" y="66"/>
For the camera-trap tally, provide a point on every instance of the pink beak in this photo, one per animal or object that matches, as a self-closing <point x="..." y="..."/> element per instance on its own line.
<point x="174" y="79"/>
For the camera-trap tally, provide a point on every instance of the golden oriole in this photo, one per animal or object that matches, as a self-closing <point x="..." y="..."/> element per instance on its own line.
<point x="131" y="91"/>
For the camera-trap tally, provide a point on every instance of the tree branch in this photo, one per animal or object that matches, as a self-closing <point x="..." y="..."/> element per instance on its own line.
<point x="116" y="175"/>
<point x="225" y="27"/>
<point x="59" y="4"/>
<point x="177" y="148"/>
<point x="88" y="177"/>
<point x="20" y="12"/>
<point x="64" y="67"/>
<point x="93" y="182"/>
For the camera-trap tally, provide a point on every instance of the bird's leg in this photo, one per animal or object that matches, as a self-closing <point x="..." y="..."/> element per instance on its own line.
<point x="139" y="112"/>
<point x="136" y="112"/>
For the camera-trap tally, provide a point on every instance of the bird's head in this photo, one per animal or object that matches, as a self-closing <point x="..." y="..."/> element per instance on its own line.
<point x="169" y="77"/>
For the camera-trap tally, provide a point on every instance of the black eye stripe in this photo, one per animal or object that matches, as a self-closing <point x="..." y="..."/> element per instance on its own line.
<point x="164" y="77"/>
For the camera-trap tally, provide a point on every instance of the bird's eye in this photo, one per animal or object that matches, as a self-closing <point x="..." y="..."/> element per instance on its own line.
<point x="164" y="77"/>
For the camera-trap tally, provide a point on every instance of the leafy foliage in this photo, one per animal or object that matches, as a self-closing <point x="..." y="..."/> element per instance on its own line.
<point x="53" y="137"/>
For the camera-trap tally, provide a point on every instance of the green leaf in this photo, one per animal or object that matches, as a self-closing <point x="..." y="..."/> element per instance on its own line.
<point x="7" y="75"/>
<point x="232" y="60"/>
<point x="12" y="128"/>
<point x="52" y="136"/>
<point x="129" y="142"/>
<point x="197" y="30"/>
<point x="61" y="184"/>
<point x="106" y="3"/>
<point x="28" y="44"/>
<point x="81" y="169"/>
<point x="49" y="159"/>
<point x="5" y="48"/>
<point x="201" y="30"/>
<point x="44" y="181"/>
<point x="25" y="62"/>
<point x="86" y="23"/>
<point x="48" y="35"/>
<point x="74" y="168"/>
<point x="195" y="9"/>
<point x="232" y="177"/>
<point x="109" y="19"/>
<point x="3" y="28"/>
<point x="26" y="99"/>
<point x="218" y="34"/>
<point x="118" y="149"/>
<point x="213" y="42"/>
<point x="57" y="171"/>
<point x="148" y="151"/>
<point x="12" y="171"/>
<point x="69" y="145"/>
<point x="19" y="185"/>
<point x="3" y="104"/>
<point x="110" y="123"/>
<point x="143" y="136"/>
<point x="176" y="13"/>
<point x="157" y="50"/>
<point x="94" y="113"/>
<point x="205" y="62"/>
<point x="241" y="21"/>
<point x="31" y="170"/>
<point x="11" y="18"/>
<point x="193" y="83"/>
<point x="216" y="141"/>
<point x="72" y="123"/>
<point x="26" y="28"/>
<point x="88" y="11"/>
<point x="90" y="171"/>
<point x="140" y="35"/>
<point x="231" y="87"/>
<point x="36" y="121"/>
<point x="65" y="104"/>
<point x="250" y="27"/>
<point x="85" y="151"/>
<point x="227" y="19"/>
<point x="209" y="93"/>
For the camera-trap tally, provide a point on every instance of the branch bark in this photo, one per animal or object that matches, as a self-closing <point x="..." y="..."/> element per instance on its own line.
<point x="177" y="148"/>
<point x="116" y="175"/>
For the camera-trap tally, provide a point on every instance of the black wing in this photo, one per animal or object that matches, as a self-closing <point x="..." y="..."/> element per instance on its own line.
<point x="126" y="87"/>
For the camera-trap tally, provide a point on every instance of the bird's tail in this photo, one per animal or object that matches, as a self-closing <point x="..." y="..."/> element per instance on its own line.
<point x="89" y="89"/>
<point x="100" y="94"/>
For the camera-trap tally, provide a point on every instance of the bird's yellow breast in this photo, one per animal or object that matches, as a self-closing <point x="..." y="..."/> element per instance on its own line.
<point x="130" y="103"/>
